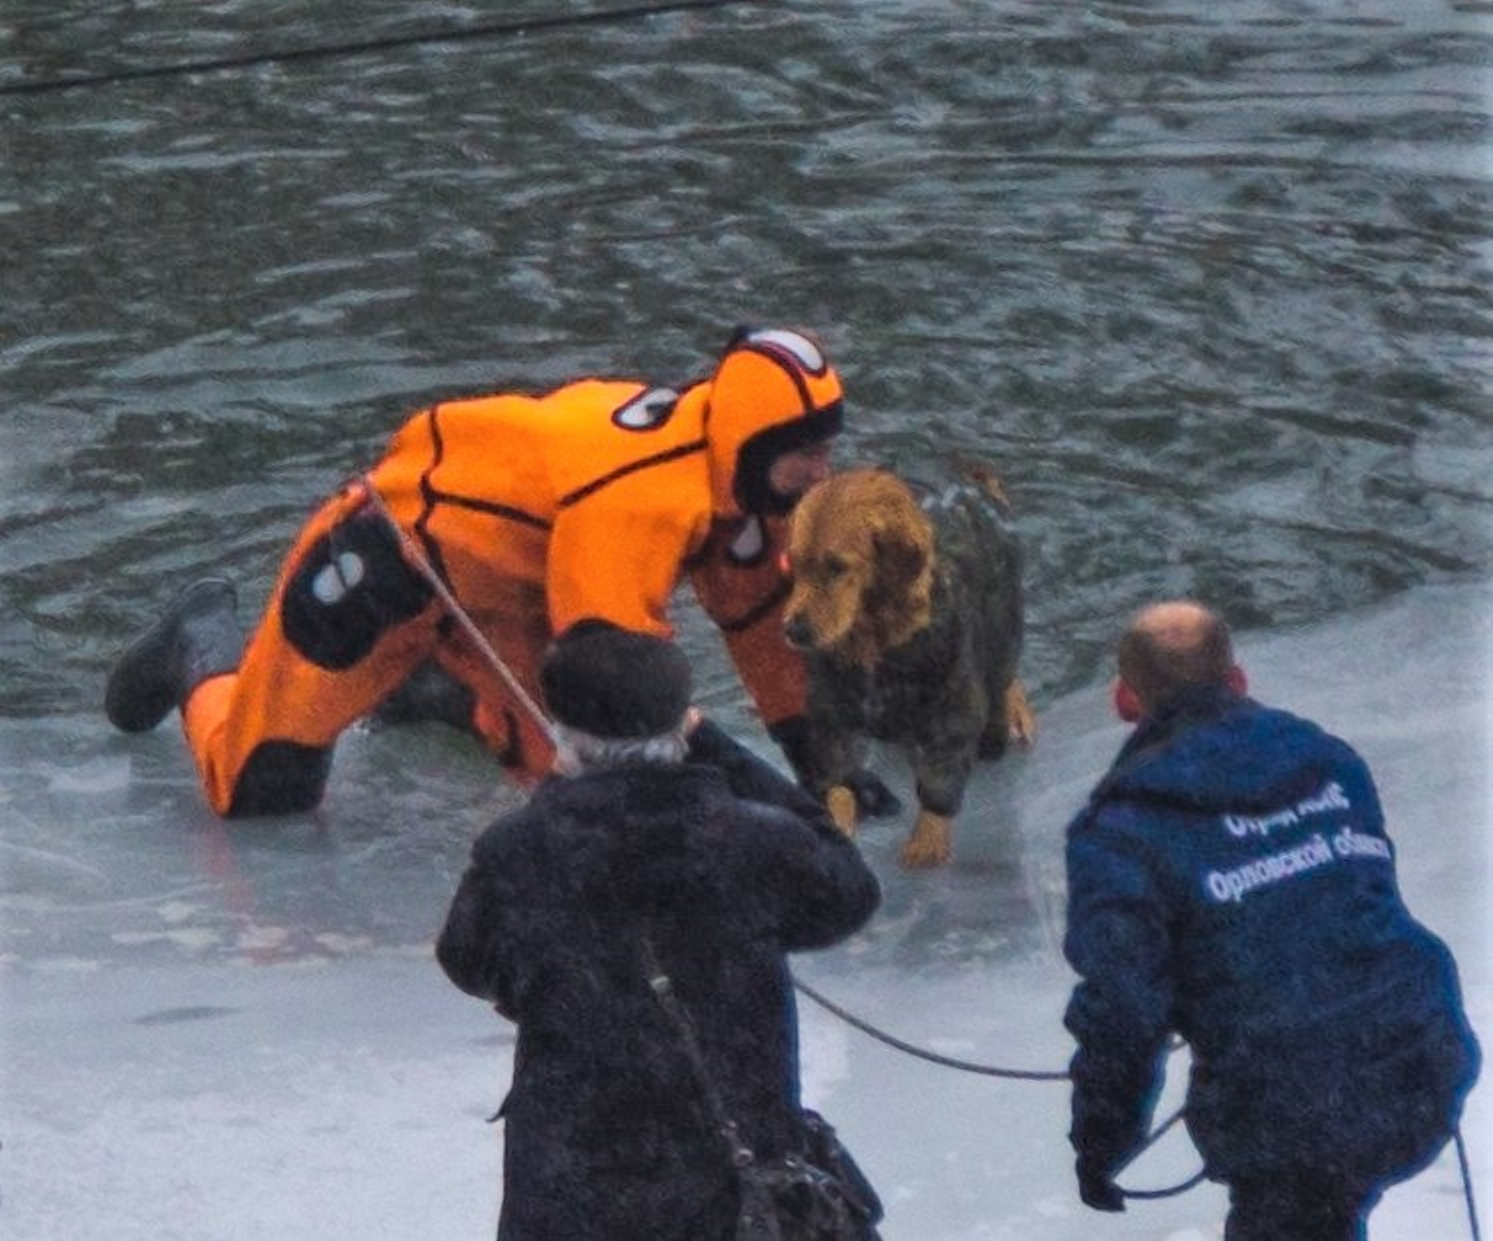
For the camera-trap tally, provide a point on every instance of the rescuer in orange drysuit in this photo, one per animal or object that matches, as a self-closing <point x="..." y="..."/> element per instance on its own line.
<point x="592" y="501"/>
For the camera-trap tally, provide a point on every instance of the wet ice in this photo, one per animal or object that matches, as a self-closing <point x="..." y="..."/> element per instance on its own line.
<point x="218" y="1034"/>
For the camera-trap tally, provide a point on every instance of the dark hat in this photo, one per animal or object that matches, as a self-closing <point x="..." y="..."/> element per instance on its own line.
<point x="612" y="682"/>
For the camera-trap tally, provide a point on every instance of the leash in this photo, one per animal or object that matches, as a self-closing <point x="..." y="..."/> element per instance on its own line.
<point x="422" y="563"/>
<point x="1022" y="1075"/>
<point x="933" y="1057"/>
<point x="1466" y="1168"/>
<point x="1156" y="1134"/>
<point x="1171" y="1191"/>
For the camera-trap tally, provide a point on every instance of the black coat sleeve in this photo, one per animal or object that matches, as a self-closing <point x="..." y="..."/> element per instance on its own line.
<point x="748" y="776"/>
<point x="828" y="891"/>
<point x="801" y="875"/>
<point x="463" y="947"/>
<point x="822" y="887"/>
<point x="476" y="944"/>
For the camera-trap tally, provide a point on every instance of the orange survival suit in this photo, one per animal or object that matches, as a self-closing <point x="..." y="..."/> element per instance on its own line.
<point x="593" y="500"/>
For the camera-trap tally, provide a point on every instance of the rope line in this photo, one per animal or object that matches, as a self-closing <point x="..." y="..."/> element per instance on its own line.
<point x="1466" y="1168"/>
<point x="486" y="30"/>
<point x="922" y="1053"/>
<point x="1171" y="1191"/>
<point x="1024" y="1075"/>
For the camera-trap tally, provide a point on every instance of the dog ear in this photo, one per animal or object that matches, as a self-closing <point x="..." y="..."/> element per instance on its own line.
<point x="901" y="559"/>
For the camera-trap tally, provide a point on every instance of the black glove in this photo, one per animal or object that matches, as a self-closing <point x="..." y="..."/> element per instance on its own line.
<point x="1097" y="1188"/>
<point x="873" y="799"/>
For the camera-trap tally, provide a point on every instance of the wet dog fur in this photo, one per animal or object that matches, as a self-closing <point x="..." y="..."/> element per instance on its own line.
<point x="908" y="608"/>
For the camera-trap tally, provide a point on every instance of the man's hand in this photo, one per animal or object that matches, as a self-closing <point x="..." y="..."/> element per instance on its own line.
<point x="1098" y="1190"/>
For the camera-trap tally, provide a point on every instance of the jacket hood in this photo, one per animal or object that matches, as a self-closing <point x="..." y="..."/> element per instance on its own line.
<point x="773" y="391"/>
<point x="1216" y="751"/>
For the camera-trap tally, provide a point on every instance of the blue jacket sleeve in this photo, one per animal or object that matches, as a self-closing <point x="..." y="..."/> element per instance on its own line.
<point x="1118" y="942"/>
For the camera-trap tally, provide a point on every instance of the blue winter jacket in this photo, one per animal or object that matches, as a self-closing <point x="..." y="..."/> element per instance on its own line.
<point x="1230" y="880"/>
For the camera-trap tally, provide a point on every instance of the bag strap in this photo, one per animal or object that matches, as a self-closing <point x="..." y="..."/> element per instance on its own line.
<point x="740" y="1154"/>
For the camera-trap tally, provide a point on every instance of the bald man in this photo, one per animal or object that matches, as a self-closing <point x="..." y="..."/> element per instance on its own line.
<point x="1230" y="880"/>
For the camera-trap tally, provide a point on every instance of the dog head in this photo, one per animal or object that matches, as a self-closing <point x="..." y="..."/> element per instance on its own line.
<point x="861" y="552"/>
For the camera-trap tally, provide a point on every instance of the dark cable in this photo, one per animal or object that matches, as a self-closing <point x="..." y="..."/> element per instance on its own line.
<point x="329" y="51"/>
<point x="1025" y="1075"/>
<point x="1466" y="1167"/>
<point x="1171" y="1191"/>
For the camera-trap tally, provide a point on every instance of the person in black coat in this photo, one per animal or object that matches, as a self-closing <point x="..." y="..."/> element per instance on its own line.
<point x="658" y="825"/>
<point x="1230" y="880"/>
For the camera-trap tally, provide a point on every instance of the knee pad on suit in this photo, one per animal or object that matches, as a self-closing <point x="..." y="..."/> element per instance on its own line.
<point x="351" y="586"/>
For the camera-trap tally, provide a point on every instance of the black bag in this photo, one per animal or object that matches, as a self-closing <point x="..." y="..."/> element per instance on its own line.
<point x="821" y="1195"/>
<point x="815" y="1194"/>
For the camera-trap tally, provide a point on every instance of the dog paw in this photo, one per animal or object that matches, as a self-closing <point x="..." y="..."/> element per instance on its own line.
<point x="1021" y="720"/>
<point x="930" y="843"/>
<point x="840" y="802"/>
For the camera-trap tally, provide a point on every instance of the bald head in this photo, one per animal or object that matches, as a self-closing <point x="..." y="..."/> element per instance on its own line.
<point x="1173" y="647"/>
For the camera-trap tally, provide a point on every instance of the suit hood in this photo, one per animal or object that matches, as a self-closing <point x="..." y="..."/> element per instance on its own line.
<point x="772" y="392"/>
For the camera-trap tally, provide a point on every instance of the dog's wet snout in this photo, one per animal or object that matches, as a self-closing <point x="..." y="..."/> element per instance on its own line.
<point x="798" y="631"/>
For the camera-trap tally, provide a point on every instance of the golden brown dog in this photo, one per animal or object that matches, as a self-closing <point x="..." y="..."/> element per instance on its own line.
<point x="909" y="611"/>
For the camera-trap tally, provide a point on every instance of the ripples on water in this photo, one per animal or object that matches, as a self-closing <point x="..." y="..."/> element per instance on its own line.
<point x="1210" y="285"/>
